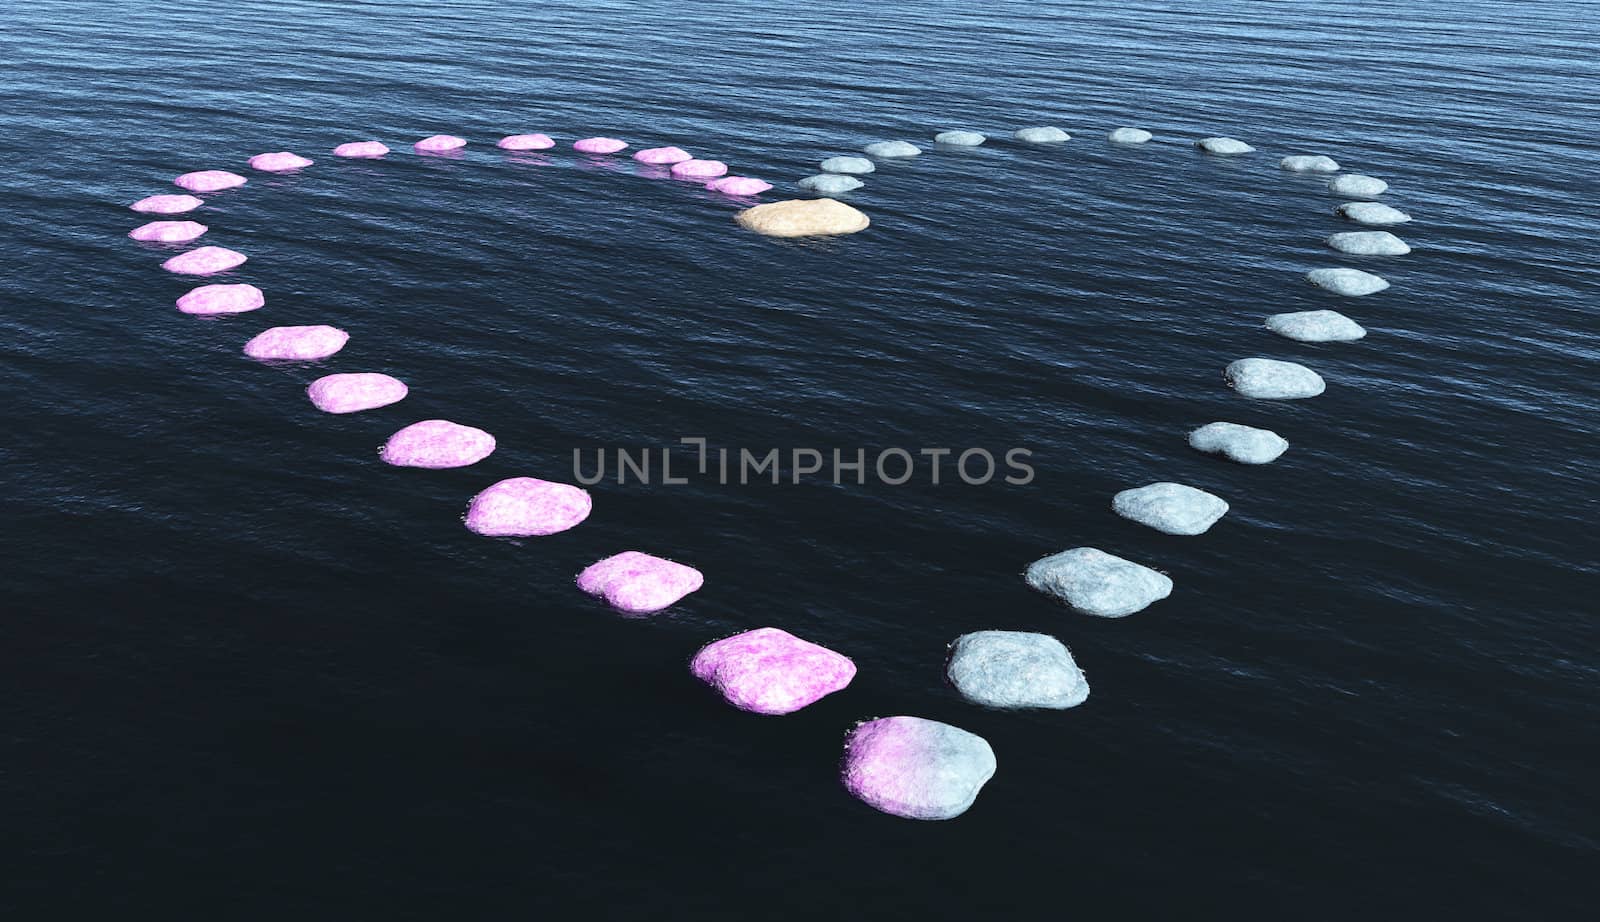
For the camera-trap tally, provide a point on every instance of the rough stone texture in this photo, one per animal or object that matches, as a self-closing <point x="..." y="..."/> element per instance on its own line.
<point x="770" y="671"/>
<point x="279" y="162"/>
<point x="1097" y="583"/>
<point x="168" y="231"/>
<point x="525" y="142"/>
<point x="526" y="507"/>
<point x="739" y="185"/>
<point x="1043" y="134"/>
<point x="221" y="299"/>
<point x="830" y="183"/>
<point x="354" y="392"/>
<point x="1223" y="146"/>
<point x="296" y="344"/>
<point x="891" y="150"/>
<point x="1357" y="185"/>
<point x="1308" y="163"/>
<point x="1016" y="669"/>
<point x="1316" y="327"/>
<point x="851" y="165"/>
<point x="439" y="144"/>
<point x="436" y="444"/>
<point x="204" y="261"/>
<point x="1269" y="379"/>
<point x="1129" y="136"/>
<point x="663" y="155"/>
<point x="209" y="181"/>
<point x="803" y="218"/>
<point x="699" y="169"/>
<point x="1242" y="444"/>
<point x="959" y="138"/>
<point x="639" y="583"/>
<point x="916" y="768"/>
<point x="1351" y="283"/>
<point x="364" y="150"/>
<point x="1369" y="243"/>
<point x="599" y="145"/>
<point x="1374" y="214"/>
<point x="1173" y="508"/>
<point x="166" y="204"/>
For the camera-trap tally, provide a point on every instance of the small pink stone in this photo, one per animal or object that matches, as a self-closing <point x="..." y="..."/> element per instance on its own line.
<point x="662" y="155"/>
<point x="280" y="162"/>
<point x="599" y="145"/>
<point x="300" y="344"/>
<point x="637" y="582"/>
<point x="167" y="231"/>
<point x="525" y="142"/>
<point x="166" y="204"/>
<point x="439" y="144"/>
<point x="221" y="299"/>
<point x="699" y="169"/>
<point x="352" y="393"/>
<point x="437" y="443"/>
<point x="739" y="185"/>
<point x="527" y="506"/>
<point x="209" y="180"/>
<point x="768" y="671"/>
<point x="204" y="261"/>
<point x="361" y="149"/>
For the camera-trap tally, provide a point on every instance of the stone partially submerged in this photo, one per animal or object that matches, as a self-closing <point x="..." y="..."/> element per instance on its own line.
<point x="803" y="218"/>
<point x="209" y="180"/>
<point x="1372" y="213"/>
<point x="439" y="144"/>
<point x="639" y="583"/>
<point x="1173" y="508"/>
<point x="1316" y="327"/>
<point x="525" y="142"/>
<point x="1270" y="379"/>
<point x="916" y="768"/>
<point x="1224" y="146"/>
<point x="1097" y="583"/>
<point x="770" y="671"/>
<point x="1241" y="444"/>
<point x="361" y="150"/>
<point x="279" y="162"/>
<point x="168" y="231"/>
<point x="204" y="261"/>
<point x="1357" y="185"/>
<point x="1369" y="243"/>
<point x="166" y="204"/>
<point x="1308" y="163"/>
<point x="739" y="185"/>
<point x="599" y="145"/>
<point x="830" y="183"/>
<point x="437" y="444"/>
<point x="525" y="507"/>
<point x="296" y="344"/>
<point x="221" y="299"/>
<point x="848" y="165"/>
<point x="1349" y="282"/>
<point x="891" y="150"/>
<point x="354" y="392"/>
<point x="959" y="138"/>
<point x="663" y="155"/>
<point x="1129" y="136"/>
<point x="1016" y="669"/>
<point x="1043" y="134"/>
<point x="699" y="169"/>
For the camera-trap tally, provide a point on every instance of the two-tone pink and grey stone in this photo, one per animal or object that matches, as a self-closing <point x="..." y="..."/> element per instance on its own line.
<point x="361" y="149"/>
<point x="636" y="582"/>
<point x="916" y="768"/>
<point x="296" y="344"/>
<point x="168" y="231"/>
<point x="166" y="204"/>
<point x="525" y="142"/>
<point x="209" y="180"/>
<point x="526" y="507"/>
<point x="663" y="155"/>
<point x="437" y="444"/>
<point x="279" y="162"/>
<point x="355" y="391"/>
<point x="204" y="261"/>
<point x="439" y="144"/>
<point x="771" y="671"/>
<point x="221" y="299"/>
<point x="599" y="145"/>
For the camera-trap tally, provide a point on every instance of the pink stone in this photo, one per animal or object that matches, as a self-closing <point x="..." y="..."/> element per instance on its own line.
<point x="166" y="204"/>
<point x="204" y="261"/>
<point x="526" y="506"/>
<point x="739" y="185"/>
<point x="440" y="143"/>
<point x="280" y="162"/>
<point x="362" y="149"/>
<point x="351" y="393"/>
<point x="599" y="145"/>
<point x="525" y="142"/>
<point x="662" y="155"/>
<point x="916" y="768"/>
<point x="301" y="344"/>
<point x="209" y="180"/>
<point x="168" y="231"/>
<point x="221" y="299"/>
<point x="637" y="582"/>
<point x="768" y="671"/>
<point x="437" y="443"/>
<point x="699" y="169"/>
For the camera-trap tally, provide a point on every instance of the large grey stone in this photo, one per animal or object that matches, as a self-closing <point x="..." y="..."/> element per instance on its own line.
<point x="1374" y="214"/>
<point x="848" y="165"/>
<point x="1016" y="669"/>
<point x="890" y="150"/>
<point x="1357" y="185"/>
<point x="1223" y="146"/>
<point x="830" y="183"/>
<point x="1174" y="508"/>
<point x="1244" y="444"/>
<point x="916" y="768"/>
<point x="1369" y="243"/>
<point x="1349" y="282"/>
<point x="1042" y="135"/>
<point x="1097" y="583"/>
<point x="1316" y="327"/>
<point x="1270" y="379"/>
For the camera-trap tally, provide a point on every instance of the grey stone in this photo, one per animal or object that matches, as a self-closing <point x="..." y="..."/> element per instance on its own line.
<point x="1349" y="282"/>
<point x="1223" y="146"/>
<point x="916" y="768"/>
<point x="1269" y="379"/>
<point x="848" y="165"/>
<point x="1374" y="214"/>
<point x="1316" y="327"/>
<point x="1243" y="444"/>
<point x="1129" y="136"/>
<point x="889" y="150"/>
<point x="1369" y="243"/>
<point x="1357" y="185"/>
<point x="959" y="138"/>
<point x="1308" y="163"/>
<point x="1174" y="508"/>
<point x="1097" y="583"/>
<point x="1016" y="669"/>
<point x="830" y="183"/>
<point x="1042" y="135"/>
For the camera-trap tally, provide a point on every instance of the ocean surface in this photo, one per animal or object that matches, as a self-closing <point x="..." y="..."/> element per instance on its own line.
<point x="249" y="671"/>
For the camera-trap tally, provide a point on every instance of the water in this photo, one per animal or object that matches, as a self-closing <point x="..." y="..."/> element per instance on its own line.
<point x="250" y="671"/>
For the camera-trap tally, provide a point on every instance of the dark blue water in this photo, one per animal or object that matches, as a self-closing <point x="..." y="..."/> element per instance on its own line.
<point x="251" y="672"/>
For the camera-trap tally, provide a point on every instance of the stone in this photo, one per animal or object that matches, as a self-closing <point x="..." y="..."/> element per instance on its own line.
<point x="891" y="150"/>
<point x="959" y="138"/>
<point x="1129" y="136"/>
<point x="279" y="162"/>
<point x="663" y="155"/>
<point x="167" y="204"/>
<point x="1016" y="669"/>
<point x="354" y="392"/>
<point x="599" y="145"/>
<point x="209" y="181"/>
<point x="1226" y="146"/>
<point x="1369" y="243"/>
<point x="849" y="165"/>
<point x="739" y="185"/>
<point x="830" y="183"/>
<point x="1097" y="583"/>
<point x="436" y="444"/>
<point x="916" y="768"/>
<point x="221" y="299"/>
<point x="296" y="344"/>
<point x="363" y="150"/>
<point x="1042" y="135"/>
<point x="1371" y="213"/>
<point x="439" y="144"/>
<point x="204" y="261"/>
<point x="639" y="583"/>
<point x="525" y="142"/>
<point x="1316" y="327"/>
<point x="699" y="169"/>
<point x="771" y="671"/>
<point x="1357" y="185"/>
<point x="803" y="218"/>
<point x="1172" y="508"/>
<point x="168" y="231"/>
<point x="1269" y="379"/>
<point x="1242" y="444"/>
<point x="525" y="507"/>
<point x="1308" y="163"/>
<point x="1352" y="283"/>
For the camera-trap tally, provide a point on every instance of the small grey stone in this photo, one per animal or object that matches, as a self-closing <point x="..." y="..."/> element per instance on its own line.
<point x="959" y="138"/>
<point x="848" y="165"/>
<point x="1372" y="213"/>
<point x="1349" y="282"/>
<point x="1369" y="243"/>
<point x="1097" y="583"/>
<point x="1042" y="135"/>
<point x="1316" y="327"/>
<point x="1016" y="669"/>
<point x="830" y="183"/>
<point x="1129" y="136"/>
<point x="1357" y="185"/>
<point x="1223" y="146"/>
<point x="889" y="150"/>
<point x="1269" y="379"/>
<point x="1307" y="163"/>
<point x="1243" y="444"/>
<point x="1174" y="508"/>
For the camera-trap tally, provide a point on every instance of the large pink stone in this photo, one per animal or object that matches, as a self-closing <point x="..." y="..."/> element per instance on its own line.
<point x="300" y="344"/>
<point x="279" y="162"/>
<point x="209" y="180"/>
<point x="221" y="299"/>
<point x="352" y="393"/>
<point x="361" y="149"/>
<point x="637" y="582"/>
<point x="768" y="671"/>
<point x="739" y="185"/>
<point x="439" y="144"/>
<point x="599" y="145"/>
<point x="699" y="169"/>
<point x="437" y="443"/>
<point x="527" y="506"/>
<point x="662" y="155"/>
<point x="166" y="204"/>
<point x="916" y="768"/>
<point x="168" y="231"/>
<point x="204" y="261"/>
<point x="525" y="142"/>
